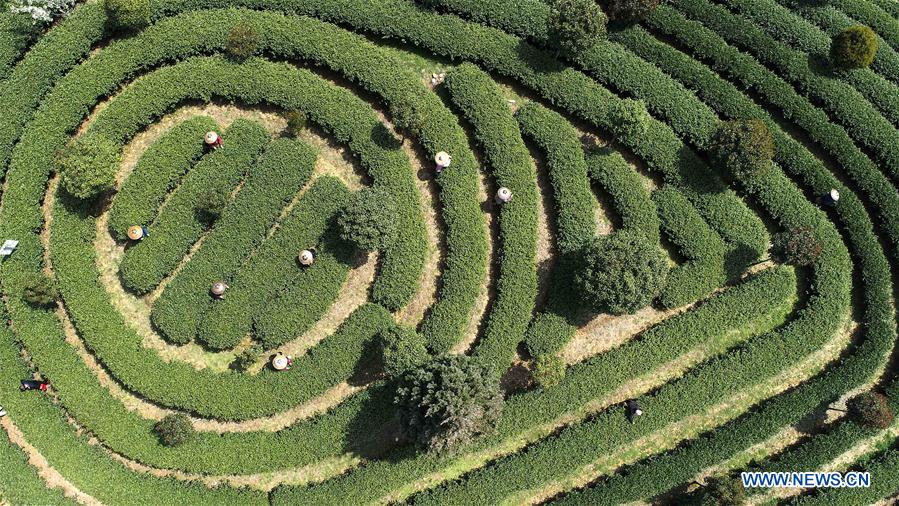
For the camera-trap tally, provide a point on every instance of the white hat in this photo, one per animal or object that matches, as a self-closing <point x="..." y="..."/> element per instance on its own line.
<point x="211" y="137"/>
<point x="279" y="362"/>
<point x="835" y="195"/>
<point x="504" y="194"/>
<point x="219" y="287"/>
<point x="443" y="159"/>
<point x="638" y="411"/>
<point x="306" y="257"/>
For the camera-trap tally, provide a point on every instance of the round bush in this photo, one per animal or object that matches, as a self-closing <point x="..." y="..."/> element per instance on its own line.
<point x="402" y="350"/>
<point x="88" y="166"/>
<point x="630" y="118"/>
<point x="744" y="148"/>
<point x="854" y="48"/>
<point x="871" y="410"/>
<point x="448" y="401"/>
<point x="369" y="219"/>
<point x="621" y="273"/>
<point x="721" y="491"/>
<point x="406" y="117"/>
<point x="548" y="370"/>
<point x="577" y="25"/>
<point x="296" y="122"/>
<point x="798" y="246"/>
<point x="128" y="14"/>
<point x="629" y="10"/>
<point x="174" y="430"/>
<point x="243" y="41"/>
<point x="40" y="291"/>
<point x="545" y="334"/>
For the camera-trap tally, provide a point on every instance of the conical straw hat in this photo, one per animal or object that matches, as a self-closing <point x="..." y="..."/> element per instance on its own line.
<point x="135" y="232"/>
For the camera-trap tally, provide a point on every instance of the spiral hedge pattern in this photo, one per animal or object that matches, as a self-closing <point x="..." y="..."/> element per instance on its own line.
<point x="735" y="365"/>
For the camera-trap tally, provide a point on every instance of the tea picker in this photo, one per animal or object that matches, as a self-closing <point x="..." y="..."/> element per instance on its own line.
<point x="213" y="140"/>
<point x="831" y="198"/>
<point x="633" y="410"/>
<point x="306" y="258"/>
<point x="8" y="247"/>
<point x="443" y="160"/>
<point x="218" y="290"/>
<point x="30" y="384"/>
<point x="138" y="232"/>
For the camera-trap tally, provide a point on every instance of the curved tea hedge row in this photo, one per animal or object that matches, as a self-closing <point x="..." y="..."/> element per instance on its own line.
<point x="755" y="306"/>
<point x="179" y="225"/>
<point x="158" y="171"/>
<point x="496" y="130"/>
<point x="631" y="200"/>
<point x="126" y="364"/>
<point x="273" y="269"/>
<point x="736" y="338"/>
<point x="792" y="156"/>
<point x="280" y="172"/>
<point x="703" y="249"/>
<point x="865" y="124"/>
<point x="574" y="219"/>
<point x="781" y="24"/>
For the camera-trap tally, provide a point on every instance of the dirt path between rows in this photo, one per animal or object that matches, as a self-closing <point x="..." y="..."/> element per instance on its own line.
<point x="630" y="389"/>
<point x="265" y="482"/>
<point x="692" y="426"/>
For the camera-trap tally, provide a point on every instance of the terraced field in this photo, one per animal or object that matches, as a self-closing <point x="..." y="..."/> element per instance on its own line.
<point x="743" y="361"/>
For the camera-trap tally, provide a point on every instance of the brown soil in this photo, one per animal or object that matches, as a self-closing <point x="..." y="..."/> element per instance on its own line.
<point x="414" y="312"/>
<point x="262" y="481"/>
<point x="488" y="288"/>
<point x="605" y="332"/>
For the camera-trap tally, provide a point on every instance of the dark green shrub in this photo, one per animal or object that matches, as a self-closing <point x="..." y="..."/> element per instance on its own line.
<point x="854" y="47"/>
<point x="621" y="273"/>
<point x="798" y="246"/>
<point x="296" y="122"/>
<point x="448" y="401"/>
<point x="547" y="333"/>
<point x="548" y="370"/>
<point x="630" y="118"/>
<point x="174" y="430"/>
<point x="211" y="204"/>
<point x="402" y="350"/>
<point x="40" y="291"/>
<point x="744" y="148"/>
<point x="369" y="219"/>
<point x="243" y="41"/>
<point x="871" y="410"/>
<point x="406" y="117"/>
<point x="129" y="14"/>
<point x="577" y="25"/>
<point x="721" y="491"/>
<point x="88" y="166"/>
<point x="245" y="359"/>
<point x="628" y="10"/>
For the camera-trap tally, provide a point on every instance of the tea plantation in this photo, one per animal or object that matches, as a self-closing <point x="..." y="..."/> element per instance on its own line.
<point x="465" y="252"/>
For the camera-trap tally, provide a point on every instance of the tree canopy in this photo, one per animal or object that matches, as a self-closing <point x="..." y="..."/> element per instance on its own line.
<point x="621" y="273"/>
<point x="448" y="401"/>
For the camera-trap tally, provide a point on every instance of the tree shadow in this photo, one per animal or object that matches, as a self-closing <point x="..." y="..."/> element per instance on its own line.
<point x="384" y="138"/>
<point x="375" y="432"/>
